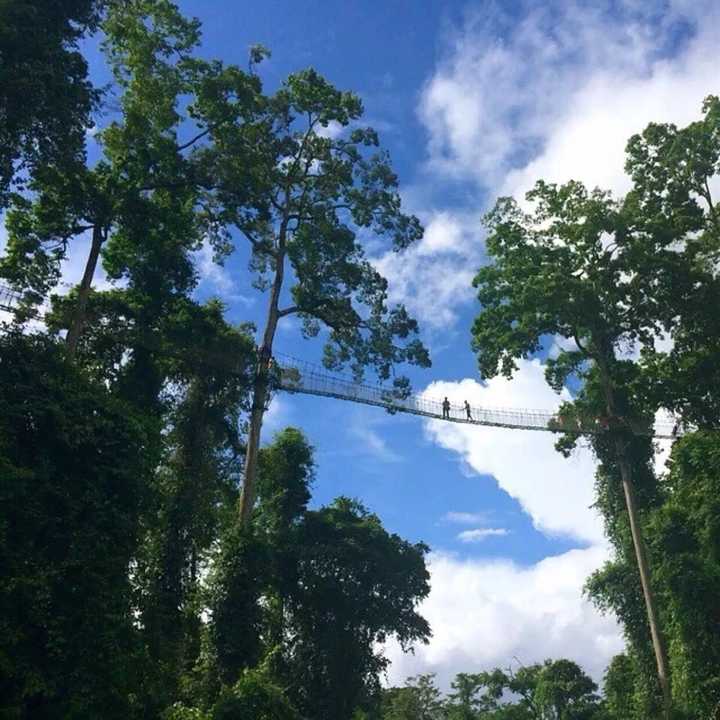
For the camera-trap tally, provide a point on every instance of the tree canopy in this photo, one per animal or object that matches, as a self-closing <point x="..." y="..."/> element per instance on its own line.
<point x="158" y="561"/>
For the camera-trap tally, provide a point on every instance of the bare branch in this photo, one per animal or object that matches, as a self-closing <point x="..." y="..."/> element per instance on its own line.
<point x="193" y="140"/>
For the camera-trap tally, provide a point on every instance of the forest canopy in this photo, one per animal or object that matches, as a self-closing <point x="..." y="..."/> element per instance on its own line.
<point x="160" y="558"/>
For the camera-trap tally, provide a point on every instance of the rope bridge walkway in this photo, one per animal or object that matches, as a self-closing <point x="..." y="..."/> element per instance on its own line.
<point x="299" y="376"/>
<point x="9" y="298"/>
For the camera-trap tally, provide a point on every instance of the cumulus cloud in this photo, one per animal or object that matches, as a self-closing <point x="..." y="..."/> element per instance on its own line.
<point x="486" y="614"/>
<point x="557" y="93"/>
<point x="557" y="493"/>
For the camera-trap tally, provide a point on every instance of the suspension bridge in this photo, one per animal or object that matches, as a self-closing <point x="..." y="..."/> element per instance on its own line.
<point x="298" y="376"/>
<point x="9" y="298"/>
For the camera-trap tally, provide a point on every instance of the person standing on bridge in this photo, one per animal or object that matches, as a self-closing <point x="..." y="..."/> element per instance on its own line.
<point x="468" y="412"/>
<point x="446" y="409"/>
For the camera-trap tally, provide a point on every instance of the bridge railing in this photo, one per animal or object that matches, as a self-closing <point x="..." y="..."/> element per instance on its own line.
<point x="309" y="378"/>
<point x="9" y="298"/>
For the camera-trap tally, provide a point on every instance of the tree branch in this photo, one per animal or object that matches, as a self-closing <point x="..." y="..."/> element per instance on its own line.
<point x="192" y="141"/>
<point x="711" y="207"/>
<point x="288" y="311"/>
<point x="582" y="348"/>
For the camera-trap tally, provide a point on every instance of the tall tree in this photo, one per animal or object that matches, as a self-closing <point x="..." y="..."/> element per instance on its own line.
<point x="139" y="186"/>
<point x="569" y="269"/>
<point x="674" y="171"/>
<point x="46" y="98"/>
<point x="313" y="190"/>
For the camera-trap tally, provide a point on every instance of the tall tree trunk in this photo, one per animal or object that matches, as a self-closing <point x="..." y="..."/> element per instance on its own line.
<point x="78" y="319"/>
<point x="640" y="550"/>
<point x="260" y="393"/>
<point x="644" y="569"/>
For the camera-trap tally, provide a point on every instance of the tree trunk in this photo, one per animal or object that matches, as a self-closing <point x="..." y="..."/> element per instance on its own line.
<point x="644" y="569"/>
<point x="640" y="550"/>
<point x="78" y="319"/>
<point x="260" y="394"/>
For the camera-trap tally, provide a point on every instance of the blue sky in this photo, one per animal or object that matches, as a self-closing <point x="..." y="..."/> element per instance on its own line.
<point x="472" y="100"/>
<point x="385" y="52"/>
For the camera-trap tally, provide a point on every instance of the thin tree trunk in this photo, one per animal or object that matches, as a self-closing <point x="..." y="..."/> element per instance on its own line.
<point x="644" y="569"/>
<point x="78" y="319"/>
<point x="640" y="551"/>
<point x="260" y="392"/>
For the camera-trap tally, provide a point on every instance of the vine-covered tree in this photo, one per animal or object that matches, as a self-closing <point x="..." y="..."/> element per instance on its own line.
<point x="569" y="270"/>
<point x="72" y="466"/>
<point x="314" y="592"/>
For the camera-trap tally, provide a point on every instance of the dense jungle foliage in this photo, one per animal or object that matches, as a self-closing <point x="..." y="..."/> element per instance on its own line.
<point x="157" y="561"/>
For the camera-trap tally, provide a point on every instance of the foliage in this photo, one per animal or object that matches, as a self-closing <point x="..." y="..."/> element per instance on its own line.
<point x="255" y="696"/>
<point x="418" y="699"/>
<point x="46" y="97"/>
<point x="71" y="460"/>
<point x="130" y="587"/>
<point x="357" y="586"/>
<point x="314" y="192"/>
<point x="553" y="690"/>
<point x="314" y="592"/>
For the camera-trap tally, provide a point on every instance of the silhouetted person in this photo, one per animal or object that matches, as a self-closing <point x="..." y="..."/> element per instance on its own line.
<point x="446" y="409"/>
<point x="467" y="410"/>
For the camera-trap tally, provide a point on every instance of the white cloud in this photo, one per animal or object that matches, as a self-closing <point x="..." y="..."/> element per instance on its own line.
<point x="443" y="234"/>
<point x="215" y="277"/>
<point x="434" y="278"/>
<point x="556" y="94"/>
<point x="556" y="492"/>
<point x="488" y="613"/>
<point x="588" y="142"/>
<point x="373" y="443"/>
<point x="465" y="518"/>
<point x="480" y="534"/>
<point x="278" y="416"/>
